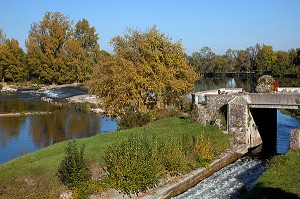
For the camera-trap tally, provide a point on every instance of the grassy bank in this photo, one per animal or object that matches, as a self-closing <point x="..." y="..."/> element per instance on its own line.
<point x="281" y="180"/>
<point x="35" y="175"/>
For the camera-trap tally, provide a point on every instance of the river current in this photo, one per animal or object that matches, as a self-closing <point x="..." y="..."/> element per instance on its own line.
<point x="231" y="181"/>
<point x="240" y="176"/>
<point x="22" y="135"/>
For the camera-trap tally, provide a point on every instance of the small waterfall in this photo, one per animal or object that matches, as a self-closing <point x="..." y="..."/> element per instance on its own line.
<point x="230" y="181"/>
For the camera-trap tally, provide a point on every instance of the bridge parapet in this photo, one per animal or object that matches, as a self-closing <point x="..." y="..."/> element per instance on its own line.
<point x="274" y="100"/>
<point x="288" y="90"/>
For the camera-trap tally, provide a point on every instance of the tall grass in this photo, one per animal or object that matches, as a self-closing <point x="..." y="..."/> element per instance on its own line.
<point x="281" y="180"/>
<point x="34" y="175"/>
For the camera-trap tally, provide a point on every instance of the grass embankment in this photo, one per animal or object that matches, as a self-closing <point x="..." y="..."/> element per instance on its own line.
<point x="281" y="180"/>
<point x="35" y="175"/>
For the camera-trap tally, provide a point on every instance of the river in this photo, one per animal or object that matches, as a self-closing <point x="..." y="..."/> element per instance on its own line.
<point x="240" y="176"/>
<point x="22" y="135"/>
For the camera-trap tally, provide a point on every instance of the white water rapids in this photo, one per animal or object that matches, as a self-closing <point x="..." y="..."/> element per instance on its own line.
<point x="229" y="181"/>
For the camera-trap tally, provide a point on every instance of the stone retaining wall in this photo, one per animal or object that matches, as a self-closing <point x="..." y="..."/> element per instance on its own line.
<point x="295" y="139"/>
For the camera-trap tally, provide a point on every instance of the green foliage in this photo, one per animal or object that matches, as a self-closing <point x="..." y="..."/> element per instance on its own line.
<point x="281" y="179"/>
<point x="295" y="112"/>
<point x="133" y="119"/>
<point x="73" y="169"/>
<point x="1" y="86"/>
<point x="131" y="165"/>
<point x="265" y="58"/>
<point x="41" y="166"/>
<point x="136" y="164"/>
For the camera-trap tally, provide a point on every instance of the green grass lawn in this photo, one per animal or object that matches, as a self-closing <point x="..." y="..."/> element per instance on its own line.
<point x="35" y="175"/>
<point x="281" y="180"/>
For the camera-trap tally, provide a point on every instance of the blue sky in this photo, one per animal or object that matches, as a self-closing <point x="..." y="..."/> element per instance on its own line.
<point x="219" y="24"/>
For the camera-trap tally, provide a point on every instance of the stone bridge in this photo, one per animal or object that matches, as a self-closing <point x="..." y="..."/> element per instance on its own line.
<point x="251" y="117"/>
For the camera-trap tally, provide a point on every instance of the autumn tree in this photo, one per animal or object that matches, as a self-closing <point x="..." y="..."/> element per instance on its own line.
<point x="13" y="61"/>
<point x="148" y="72"/>
<point x="2" y="39"/>
<point x="85" y="50"/>
<point x="57" y="52"/>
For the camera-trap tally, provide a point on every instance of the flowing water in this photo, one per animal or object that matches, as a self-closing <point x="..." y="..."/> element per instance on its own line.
<point x="21" y="135"/>
<point x="230" y="181"/>
<point x="240" y="176"/>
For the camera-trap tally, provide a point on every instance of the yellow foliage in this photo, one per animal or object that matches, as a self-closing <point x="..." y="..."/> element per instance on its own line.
<point x="147" y="72"/>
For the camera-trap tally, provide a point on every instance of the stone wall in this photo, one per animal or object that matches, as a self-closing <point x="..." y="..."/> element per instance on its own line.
<point x="295" y="139"/>
<point x="211" y="112"/>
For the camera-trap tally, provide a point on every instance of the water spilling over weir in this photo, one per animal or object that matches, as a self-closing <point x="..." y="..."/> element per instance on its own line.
<point x="231" y="181"/>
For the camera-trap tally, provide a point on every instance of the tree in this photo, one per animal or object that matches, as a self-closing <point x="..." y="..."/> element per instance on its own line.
<point x="88" y="49"/>
<point x="252" y="51"/>
<point x="297" y="58"/>
<point x="13" y="61"/>
<point x="282" y="63"/>
<point x="204" y="60"/>
<point x="243" y="61"/>
<point x="45" y="48"/>
<point x="147" y="73"/>
<point x="265" y="58"/>
<point x="57" y="52"/>
<point x="2" y="39"/>
<point x="231" y="56"/>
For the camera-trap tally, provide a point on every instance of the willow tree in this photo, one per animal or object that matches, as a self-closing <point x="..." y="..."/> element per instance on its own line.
<point x="148" y="72"/>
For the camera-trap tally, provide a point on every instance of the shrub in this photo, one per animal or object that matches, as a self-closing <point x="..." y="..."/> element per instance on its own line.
<point x="73" y="170"/>
<point x="131" y="166"/>
<point x="266" y="84"/>
<point x="134" y="119"/>
<point x="173" y="158"/>
<point x="137" y="164"/>
<point x="1" y="86"/>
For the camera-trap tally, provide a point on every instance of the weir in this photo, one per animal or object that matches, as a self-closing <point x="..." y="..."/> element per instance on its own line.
<point x="250" y="117"/>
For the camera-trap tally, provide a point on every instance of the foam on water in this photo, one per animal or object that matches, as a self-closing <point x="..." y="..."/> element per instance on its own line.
<point x="228" y="181"/>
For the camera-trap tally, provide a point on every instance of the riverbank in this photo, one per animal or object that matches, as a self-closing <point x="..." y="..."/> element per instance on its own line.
<point x="281" y="179"/>
<point x="34" y="175"/>
<point x="77" y="99"/>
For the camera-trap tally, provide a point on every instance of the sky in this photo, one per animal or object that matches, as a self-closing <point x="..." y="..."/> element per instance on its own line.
<point x="218" y="24"/>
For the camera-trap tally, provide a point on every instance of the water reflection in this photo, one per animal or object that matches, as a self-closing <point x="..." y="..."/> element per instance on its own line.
<point x="215" y="83"/>
<point x="248" y="84"/>
<point x="21" y="135"/>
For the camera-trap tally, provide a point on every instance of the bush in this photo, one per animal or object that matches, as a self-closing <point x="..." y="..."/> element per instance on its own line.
<point x="136" y="164"/>
<point x="131" y="165"/>
<point x="134" y="119"/>
<point x="1" y="86"/>
<point x="73" y="170"/>
<point x="266" y="84"/>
